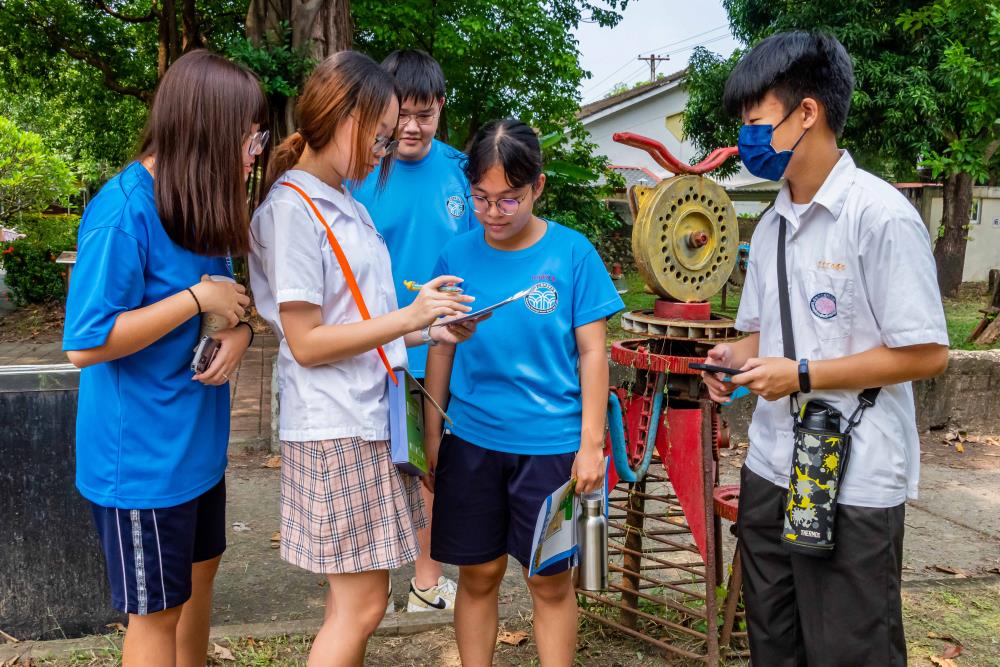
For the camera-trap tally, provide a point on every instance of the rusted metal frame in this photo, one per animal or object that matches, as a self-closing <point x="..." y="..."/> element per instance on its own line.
<point x="686" y="611"/>
<point x="670" y="543"/>
<point x="658" y="620"/>
<point x="614" y="504"/>
<point x="670" y="602"/>
<point x="711" y="546"/>
<point x="668" y="564"/>
<point x="638" y="635"/>
<point x="632" y="552"/>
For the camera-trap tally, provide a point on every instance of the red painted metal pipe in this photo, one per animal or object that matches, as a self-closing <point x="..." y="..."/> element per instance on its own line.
<point x="666" y="159"/>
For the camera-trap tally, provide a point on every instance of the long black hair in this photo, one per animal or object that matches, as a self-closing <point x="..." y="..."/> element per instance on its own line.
<point x="511" y="144"/>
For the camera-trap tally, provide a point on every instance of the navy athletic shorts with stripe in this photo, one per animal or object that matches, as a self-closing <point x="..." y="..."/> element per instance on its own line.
<point x="486" y="502"/>
<point x="149" y="552"/>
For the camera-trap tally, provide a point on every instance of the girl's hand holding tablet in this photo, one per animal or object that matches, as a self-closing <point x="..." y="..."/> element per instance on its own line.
<point x="431" y="303"/>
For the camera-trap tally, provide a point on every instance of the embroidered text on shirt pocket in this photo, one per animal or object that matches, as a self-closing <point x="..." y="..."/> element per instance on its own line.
<point x="830" y="300"/>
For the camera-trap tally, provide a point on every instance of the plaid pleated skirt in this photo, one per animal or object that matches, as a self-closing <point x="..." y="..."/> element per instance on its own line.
<point x="346" y="508"/>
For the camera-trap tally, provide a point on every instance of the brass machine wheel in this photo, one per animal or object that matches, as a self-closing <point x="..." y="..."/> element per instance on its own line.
<point x="685" y="237"/>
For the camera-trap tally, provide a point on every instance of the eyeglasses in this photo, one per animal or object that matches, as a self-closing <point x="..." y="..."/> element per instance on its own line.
<point x="257" y="142"/>
<point x="424" y="118"/>
<point x="505" y="206"/>
<point x="384" y="145"/>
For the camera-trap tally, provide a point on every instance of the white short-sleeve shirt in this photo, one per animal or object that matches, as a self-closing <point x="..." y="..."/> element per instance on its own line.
<point x="860" y="275"/>
<point x="291" y="260"/>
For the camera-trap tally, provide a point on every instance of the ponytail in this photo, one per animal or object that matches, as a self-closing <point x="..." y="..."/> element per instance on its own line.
<point x="345" y="85"/>
<point x="284" y="157"/>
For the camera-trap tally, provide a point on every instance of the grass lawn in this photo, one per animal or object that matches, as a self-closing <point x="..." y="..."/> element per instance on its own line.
<point x="962" y="313"/>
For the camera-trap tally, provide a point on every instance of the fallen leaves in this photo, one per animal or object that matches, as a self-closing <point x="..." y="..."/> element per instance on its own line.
<point x="943" y="662"/>
<point x="958" y="572"/>
<point x="240" y="527"/>
<point x="222" y="653"/>
<point x="275" y="539"/>
<point x="117" y="627"/>
<point x="952" y="649"/>
<point x="272" y="462"/>
<point x="512" y="638"/>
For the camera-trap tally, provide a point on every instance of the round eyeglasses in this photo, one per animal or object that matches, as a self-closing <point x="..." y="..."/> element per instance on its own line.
<point x="506" y="206"/>
<point x="424" y="118"/>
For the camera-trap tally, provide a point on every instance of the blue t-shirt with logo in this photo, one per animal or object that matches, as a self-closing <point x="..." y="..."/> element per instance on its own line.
<point x="515" y="386"/>
<point x="147" y="435"/>
<point x="421" y="208"/>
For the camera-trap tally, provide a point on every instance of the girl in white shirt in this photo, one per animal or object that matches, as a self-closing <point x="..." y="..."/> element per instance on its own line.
<point x="346" y="511"/>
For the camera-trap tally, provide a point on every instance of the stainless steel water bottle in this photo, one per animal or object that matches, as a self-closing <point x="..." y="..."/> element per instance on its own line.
<point x="592" y="531"/>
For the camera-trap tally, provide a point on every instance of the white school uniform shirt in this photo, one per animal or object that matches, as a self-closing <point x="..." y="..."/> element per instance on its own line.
<point x="291" y="260"/>
<point x="860" y="274"/>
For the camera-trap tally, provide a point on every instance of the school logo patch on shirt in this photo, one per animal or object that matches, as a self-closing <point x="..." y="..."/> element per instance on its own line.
<point x="824" y="306"/>
<point x="542" y="299"/>
<point x="456" y="206"/>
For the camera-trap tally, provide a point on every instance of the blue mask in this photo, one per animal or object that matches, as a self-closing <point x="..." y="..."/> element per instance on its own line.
<point x="759" y="155"/>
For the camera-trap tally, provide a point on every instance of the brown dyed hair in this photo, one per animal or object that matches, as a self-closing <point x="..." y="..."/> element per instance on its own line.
<point x="345" y="84"/>
<point x="202" y="113"/>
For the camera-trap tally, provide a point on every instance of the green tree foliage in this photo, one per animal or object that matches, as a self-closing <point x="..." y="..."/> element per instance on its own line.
<point x="507" y="58"/>
<point x="31" y="177"/>
<point x="928" y="92"/>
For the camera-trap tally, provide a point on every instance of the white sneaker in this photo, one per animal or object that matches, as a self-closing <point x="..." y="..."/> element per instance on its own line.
<point x="441" y="596"/>
<point x="390" y="604"/>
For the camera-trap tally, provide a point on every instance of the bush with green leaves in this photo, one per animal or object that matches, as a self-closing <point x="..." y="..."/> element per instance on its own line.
<point x="32" y="273"/>
<point x="31" y="177"/>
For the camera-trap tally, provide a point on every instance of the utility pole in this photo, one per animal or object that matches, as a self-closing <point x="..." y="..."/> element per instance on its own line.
<point x="653" y="59"/>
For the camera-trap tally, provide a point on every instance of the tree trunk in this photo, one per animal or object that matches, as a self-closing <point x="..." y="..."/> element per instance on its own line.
<point x="167" y="47"/>
<point x="949" y="251"/>
<point x="191" y="38"/>
<point x="319" y="28"/>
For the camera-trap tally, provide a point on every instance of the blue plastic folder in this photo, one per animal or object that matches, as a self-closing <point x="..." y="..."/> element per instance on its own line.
<point x="406" y="423"/>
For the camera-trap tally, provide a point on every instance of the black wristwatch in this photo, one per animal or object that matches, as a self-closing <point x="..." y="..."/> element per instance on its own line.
<point x="805" y="385"/>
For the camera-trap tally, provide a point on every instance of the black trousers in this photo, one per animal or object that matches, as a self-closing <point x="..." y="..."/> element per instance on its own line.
<point x="803" y="611"/>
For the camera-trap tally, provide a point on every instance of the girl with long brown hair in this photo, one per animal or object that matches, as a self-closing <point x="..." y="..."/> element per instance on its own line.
<point x="151" y="434"/>
<point x="321" y="276"/>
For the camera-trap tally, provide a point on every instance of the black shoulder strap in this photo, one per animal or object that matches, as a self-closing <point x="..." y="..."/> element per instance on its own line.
<point x="866" y="398"/>
<point x="787" y="337"/>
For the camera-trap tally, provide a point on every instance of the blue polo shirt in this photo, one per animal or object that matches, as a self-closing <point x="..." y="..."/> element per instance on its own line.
<point x="515" y="386"/>
<point x="147" y="436"/>
<point x="421" y="208"/>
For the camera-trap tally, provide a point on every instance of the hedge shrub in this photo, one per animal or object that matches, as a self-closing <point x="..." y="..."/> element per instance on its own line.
<point x="32" y="274"/>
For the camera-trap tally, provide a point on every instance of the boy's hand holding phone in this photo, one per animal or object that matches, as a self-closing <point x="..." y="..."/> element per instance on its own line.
<point x="719" y="390"/>
<point x="770" y="378"/>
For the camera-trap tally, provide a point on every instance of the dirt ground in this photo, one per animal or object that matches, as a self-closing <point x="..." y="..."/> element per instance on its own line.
<point x="951" y="576"/>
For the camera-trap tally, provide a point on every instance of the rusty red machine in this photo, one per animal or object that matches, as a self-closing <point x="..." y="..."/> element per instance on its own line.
<point x="668" y="581"/>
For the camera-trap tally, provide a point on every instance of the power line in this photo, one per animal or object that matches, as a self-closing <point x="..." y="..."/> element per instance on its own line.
<point x="596" y="84"/>
<point x="690" y="37"/>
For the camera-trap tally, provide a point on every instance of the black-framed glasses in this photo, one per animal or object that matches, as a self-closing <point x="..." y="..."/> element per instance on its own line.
<point x="258" y="140"/>
<point x="384" y="145"/>
<point x="506" y="206"/>
<point x="423" y="118"/>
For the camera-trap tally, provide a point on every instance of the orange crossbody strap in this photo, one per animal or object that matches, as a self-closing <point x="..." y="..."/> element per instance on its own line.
<point x="352" y="283"/>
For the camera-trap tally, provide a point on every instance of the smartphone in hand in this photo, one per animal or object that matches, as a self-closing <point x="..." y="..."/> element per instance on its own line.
<point x="204" y="354"/>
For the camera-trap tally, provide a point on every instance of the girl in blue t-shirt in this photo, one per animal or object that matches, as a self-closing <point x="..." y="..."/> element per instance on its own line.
<point x="527" y="394"/>
<point x="151" y="434"/>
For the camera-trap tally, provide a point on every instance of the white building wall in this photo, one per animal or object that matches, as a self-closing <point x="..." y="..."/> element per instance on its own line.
<point x="982" y="252"/>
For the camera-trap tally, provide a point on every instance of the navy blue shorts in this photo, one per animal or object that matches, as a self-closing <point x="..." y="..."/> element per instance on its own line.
<point x="150" y="552"/>
<point x="486" y="502"/>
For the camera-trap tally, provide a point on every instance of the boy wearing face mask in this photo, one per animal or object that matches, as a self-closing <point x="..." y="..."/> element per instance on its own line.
<point x="422" y="206"/>
<point x="864" y="311"/>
